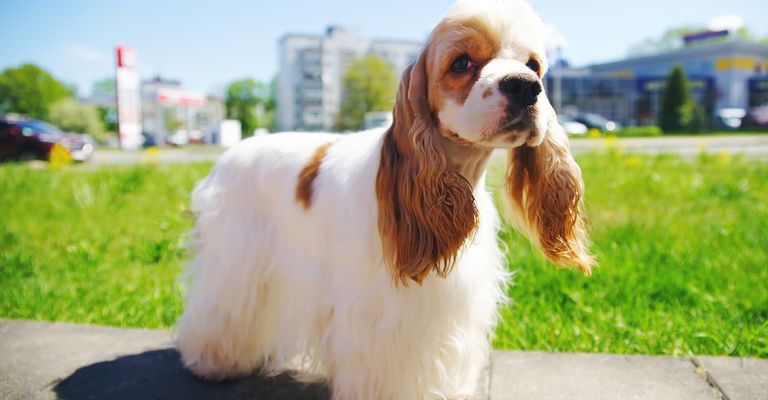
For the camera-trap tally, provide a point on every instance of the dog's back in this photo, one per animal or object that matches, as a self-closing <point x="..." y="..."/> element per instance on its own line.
<point x="266" y="248"/>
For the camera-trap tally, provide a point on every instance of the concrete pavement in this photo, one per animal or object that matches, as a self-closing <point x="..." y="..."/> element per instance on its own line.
<point x="40" y="360"/>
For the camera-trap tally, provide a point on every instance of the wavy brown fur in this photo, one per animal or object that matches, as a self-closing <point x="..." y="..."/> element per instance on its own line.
<point x="546" y="189"/>
<point x="426" y="209"/>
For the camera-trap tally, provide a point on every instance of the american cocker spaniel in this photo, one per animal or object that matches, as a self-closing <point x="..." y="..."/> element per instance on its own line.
<point x="372" y="259"/>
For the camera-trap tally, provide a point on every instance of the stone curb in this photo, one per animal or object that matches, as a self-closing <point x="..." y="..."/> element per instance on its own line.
<point x="42" y="360"/>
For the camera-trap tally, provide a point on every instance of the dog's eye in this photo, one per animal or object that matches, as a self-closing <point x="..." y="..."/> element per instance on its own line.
<point x="534" y="66"/>
<point x="461" y="64"/>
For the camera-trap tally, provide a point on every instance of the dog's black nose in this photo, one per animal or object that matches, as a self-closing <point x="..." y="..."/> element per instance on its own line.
<point x="521" y="90"/>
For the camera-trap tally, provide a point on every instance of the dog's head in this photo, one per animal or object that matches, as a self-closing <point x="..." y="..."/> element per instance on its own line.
<point x="484" y="65"/>
<point x="477" y="85"/>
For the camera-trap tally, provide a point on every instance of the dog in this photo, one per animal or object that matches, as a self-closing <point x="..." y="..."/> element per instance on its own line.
<point x="372" y="259"/>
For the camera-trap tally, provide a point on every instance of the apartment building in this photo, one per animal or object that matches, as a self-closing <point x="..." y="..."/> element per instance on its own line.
<point x="310" y="89"/>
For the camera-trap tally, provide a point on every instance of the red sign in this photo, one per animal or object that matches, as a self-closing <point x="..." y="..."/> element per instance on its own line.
<point x="128" y="99"/>
<point x="178" y="97"/>
<point x="126" y="57"/>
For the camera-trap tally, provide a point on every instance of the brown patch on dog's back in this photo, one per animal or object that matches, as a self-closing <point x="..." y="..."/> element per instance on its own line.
<point x="308" y="174"/>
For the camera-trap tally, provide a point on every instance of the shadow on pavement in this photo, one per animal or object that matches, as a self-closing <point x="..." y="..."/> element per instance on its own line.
<point x="158" y="374"/>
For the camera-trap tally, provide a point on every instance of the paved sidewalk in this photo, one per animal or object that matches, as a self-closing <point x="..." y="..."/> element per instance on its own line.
<point x="40" y="360"/>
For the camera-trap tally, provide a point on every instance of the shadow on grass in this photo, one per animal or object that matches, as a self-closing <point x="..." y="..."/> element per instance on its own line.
<point x="158" y="374"/>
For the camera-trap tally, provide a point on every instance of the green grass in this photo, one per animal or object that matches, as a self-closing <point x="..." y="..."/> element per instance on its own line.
<point x="101" y="246"/>
<point x="682" y="248"/>
<point x="683" y="264"/>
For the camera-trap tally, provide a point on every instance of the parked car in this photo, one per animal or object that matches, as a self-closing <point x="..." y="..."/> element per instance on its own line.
<point x="178" y="139"/>
<point x="730" y="118"/>
<point x="23" y="138"/>
<point x="149" y="140"/>
<point x="595" y="121"/>
<point x="757" y="117"/>
<point x="571" y="126"/>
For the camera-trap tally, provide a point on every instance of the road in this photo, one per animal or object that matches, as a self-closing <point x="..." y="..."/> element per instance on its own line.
<point x="164" y="156"/>
<point x="751" y="146"/>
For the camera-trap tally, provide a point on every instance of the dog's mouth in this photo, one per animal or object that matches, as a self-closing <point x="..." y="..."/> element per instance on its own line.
<point x="512" y="130"/>
<point x="515" y="127"/>
<point x="517" y="120"/>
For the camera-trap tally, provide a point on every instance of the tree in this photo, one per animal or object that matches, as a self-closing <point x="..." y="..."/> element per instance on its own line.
<point x="73" y="116"/>
<point x="105" y="90"/>
<point x="105" y="87"/>
<point x="172" y="122"/>
<point x="108" y="116"/>
<point x="677" y="107"/>
<point x="252" y="103"/>
<point x="700" y="120"/>
<point x="369" y="85"/>
<point x="672" y="39"/>
<point x="30" y="90"/>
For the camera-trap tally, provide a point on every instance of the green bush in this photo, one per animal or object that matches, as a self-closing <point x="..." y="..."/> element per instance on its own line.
<point x="73" y="116"/>
<point x="640" y="131"/>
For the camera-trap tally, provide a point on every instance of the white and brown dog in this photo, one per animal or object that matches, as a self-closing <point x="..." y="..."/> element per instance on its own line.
<point x="372" y="259"/>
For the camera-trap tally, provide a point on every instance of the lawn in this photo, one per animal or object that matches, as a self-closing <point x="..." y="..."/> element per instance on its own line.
<point x="682" y="247"/>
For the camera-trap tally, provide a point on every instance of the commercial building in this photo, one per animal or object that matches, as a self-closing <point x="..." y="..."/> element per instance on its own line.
<point x="312" y="67"/>
<point x="172" y="115"/>
<point x="169" y="115"/>
<point x="727" y="75"/>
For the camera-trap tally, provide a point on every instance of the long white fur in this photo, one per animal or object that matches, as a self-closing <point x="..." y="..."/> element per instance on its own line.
<point x="275" y="287"/>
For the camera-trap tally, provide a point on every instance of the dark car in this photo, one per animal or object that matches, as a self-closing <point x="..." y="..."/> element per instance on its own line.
<point x="594" y="121"/>
<point x="24" y="138"/>
<point x="757" y="117"/>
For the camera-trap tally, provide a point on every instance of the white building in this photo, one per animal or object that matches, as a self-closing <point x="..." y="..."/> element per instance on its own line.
<point x="171" y="115"/>
<point x="312" y="67"/>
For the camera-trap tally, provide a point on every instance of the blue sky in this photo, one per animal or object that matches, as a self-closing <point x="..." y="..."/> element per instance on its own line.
<point x="207" y="44"/>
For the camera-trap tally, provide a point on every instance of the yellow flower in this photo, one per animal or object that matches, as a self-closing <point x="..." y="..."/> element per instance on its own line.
<point x="723" y="158"/>
<point x="59" y="157"/>
<point x="594" y="134"/>
<point x="634" y="161"/>
<point x="151" y="155"/>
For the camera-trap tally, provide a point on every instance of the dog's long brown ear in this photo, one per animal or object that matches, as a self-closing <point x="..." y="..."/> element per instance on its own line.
<point x="426" y="210"/>
<point x="545" y="190"/>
